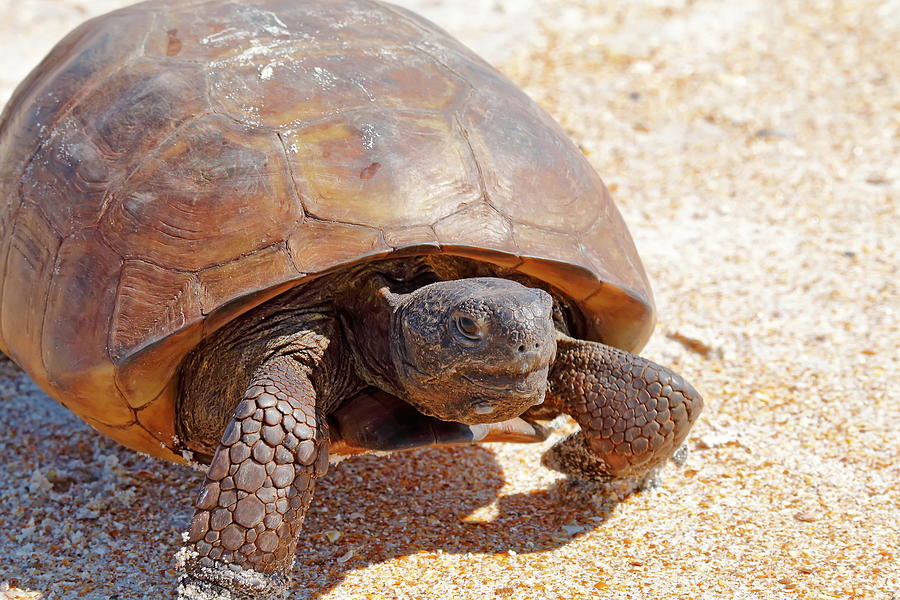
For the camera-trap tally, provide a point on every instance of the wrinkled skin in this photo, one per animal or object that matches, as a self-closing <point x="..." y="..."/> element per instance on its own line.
<point x="367" y="361"/>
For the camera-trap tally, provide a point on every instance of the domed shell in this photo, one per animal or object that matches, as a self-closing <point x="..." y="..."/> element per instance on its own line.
<point x="171" y="165"/>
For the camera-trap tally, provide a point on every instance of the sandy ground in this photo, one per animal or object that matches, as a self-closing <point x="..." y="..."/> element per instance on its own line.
<point x="754" y="149"/>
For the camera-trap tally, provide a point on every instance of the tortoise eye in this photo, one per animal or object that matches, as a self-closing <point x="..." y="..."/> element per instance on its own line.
<point x="468" y="327"/>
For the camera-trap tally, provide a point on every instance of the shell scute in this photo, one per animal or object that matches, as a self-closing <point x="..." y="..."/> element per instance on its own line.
<point x="419" y="237"/>
<point x="319" y="246"/>
<point x="219" y="30"/>
<point x="151" y="302"/>
<point x="235" y="31"/>
<point x="347" y="24"/>
<point x="91" y="150"/>
<point x="528" y="163"/>
<point x="215" y="178"/>
<point x="68" y="177"/>
<point x="76" y="66"/>
<point x="542" y="243"/>
<point x="138" y="436"/>
<point x="611" y="253"/>
<point x="156" y="418"/>
<point x="383" y="170"/>
<point x="144" y="376"/>
<point x="139" y="106"/>
<point x="455" y="57"/>
<point x="479" y="226"/>
<point x="254" y="272"/>
<point x="86" y="275"/>
<point x="29" y="269"/>
<point x="279" y="87"/>
<point x="575" y="281"/>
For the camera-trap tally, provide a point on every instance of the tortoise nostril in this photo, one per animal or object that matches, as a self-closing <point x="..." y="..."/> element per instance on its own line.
<point x="522" y="348"/>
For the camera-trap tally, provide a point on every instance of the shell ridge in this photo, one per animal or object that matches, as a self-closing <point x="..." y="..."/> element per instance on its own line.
<point x="123" y="427"/>
<point x="483" y="185"/>
<point x="313" y="217"/>
<point x="173" y="230"/>
<point x="216" y="109"/>
<point x="445" y="66"/>
<point x="154" y="20"/>
<point x="399" y="14"/>
<point x="327" y="117"/>
<point x="429" y="227"/>
<point x="290" y="258"/>
<point x="298" y="198"/>
<point x="407" y="17"/>
<point x="44" y="315"/>
<point x="305" y="124"/>
<point x="236" y="259"/>
<point x="580" y="234"/>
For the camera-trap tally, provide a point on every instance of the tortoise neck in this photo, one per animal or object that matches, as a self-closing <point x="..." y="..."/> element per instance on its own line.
<point x="367" y="307"/>
<point x="366" y="315"/>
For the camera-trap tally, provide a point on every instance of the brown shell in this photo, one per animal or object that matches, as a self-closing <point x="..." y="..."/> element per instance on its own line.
<point x="173" y="164"/>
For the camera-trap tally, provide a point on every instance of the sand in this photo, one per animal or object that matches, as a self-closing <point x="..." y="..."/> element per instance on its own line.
<point x="754" y="149"/>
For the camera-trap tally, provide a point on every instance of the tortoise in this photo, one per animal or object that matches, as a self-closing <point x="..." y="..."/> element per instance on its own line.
<point x="260" y="234"/>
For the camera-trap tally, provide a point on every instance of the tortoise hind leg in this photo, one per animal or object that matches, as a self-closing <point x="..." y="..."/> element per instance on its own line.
<point x="633" y="413"/>
<point x="259" y="485"/>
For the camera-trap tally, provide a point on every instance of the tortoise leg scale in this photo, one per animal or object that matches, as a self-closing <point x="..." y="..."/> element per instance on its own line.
<point x="633" y="413"/>
<point x="259" y="485"/>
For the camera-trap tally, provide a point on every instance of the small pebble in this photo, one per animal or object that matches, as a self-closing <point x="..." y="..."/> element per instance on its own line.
<point x="808" y="516"/>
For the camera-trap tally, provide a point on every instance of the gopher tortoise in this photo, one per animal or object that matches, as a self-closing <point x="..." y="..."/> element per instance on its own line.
<point x="257" y="234"/>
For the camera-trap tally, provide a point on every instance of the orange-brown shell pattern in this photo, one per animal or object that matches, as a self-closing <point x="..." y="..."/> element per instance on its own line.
<point x="171" y="165"/>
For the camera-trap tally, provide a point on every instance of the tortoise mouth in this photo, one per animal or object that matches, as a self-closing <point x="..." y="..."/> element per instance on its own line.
<point x="493" y="410"/>
<point x="479" y="402"/>
<point x="493" y="399"/>
<point x="516" y="383"/>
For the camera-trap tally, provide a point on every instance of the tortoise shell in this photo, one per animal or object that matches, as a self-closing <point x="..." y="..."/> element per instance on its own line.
<point x="171" y="165"/>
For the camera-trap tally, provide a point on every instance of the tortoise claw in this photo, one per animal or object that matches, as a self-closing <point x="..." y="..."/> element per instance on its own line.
<point x="514" y="430"/>
<point x="216" y="580"/>
<point x="572" y="456"/>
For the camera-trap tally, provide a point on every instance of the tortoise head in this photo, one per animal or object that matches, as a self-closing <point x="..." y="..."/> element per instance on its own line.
<point x="473" y="350"/>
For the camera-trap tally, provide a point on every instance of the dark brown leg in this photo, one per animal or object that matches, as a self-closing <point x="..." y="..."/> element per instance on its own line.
<point x="260" y="482"/>
<point x="377" y="421"/>
<point x="633" y="413"/>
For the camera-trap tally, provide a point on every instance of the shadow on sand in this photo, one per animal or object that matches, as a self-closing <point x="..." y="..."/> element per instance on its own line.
<point x="422" y="501"/>
<point x="383" y="507"/>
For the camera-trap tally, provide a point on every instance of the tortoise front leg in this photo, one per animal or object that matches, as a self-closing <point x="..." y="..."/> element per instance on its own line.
<point x="259" y="485"/>
<point x="633" y="413"/>
<point x="377" y="421"/>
